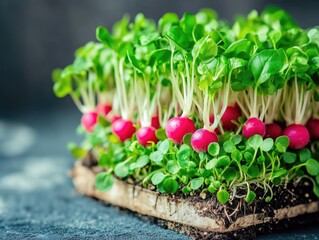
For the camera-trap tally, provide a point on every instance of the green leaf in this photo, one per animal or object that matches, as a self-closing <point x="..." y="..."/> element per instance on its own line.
<point x="103" y="35"/>
<point x="222" y="196"/>
<point x="157" y="178"/>
<point x="148" y="38"/>
<point x="261" y="159"/>
<point x="253" y="171"/>
<point x="230" y="174"/>
<point x="213" y="149"/>
<point x="218" y="67"/>
<point x="289" y="157"/>
<point x="136" y="64"/>
<point x="121" y="170"/>
<point x="156" y="156"/>
<point x="222" y="161"/>
<point x="105" y="160"/>
<point x="160" y="134"/>
<point x="250" y="197"/>
<point x="187" y="139"/>
<point x="242" y="48"/>
<point x="255" y="141"/>
<point x="205" y="49"/>
<point x="304" y="154"/>
<point x="170" y="185"/>
<point x="312" y="167"/>
<point x="178" y="36"/>
<point x="164" y="146"/>
<point x="102" y="121"/>
<point x="229" y="146"/>
<point x="167" y="20"/>
<point x="236" y="139"/>
<point x="62" y="85"/>
<point x="266" y="64"/>
<point x="211" y="164"/>
<point x="104" y="181"/>
<point x="142" y="161"/>
<point x="183" y="154"/>
<point x="196" y="183"/>
<point x="188" y="22"/>
<point x="77" y="152"/>
<point x="248" y="156"/>
<point x="282" y="143"/>
<point x="267" y="144"/>
<point x="186" y="190"/>
<point x="237" y="155"/>
<point x="317" y="179"/>
<point x="316" y="189"/>
<point x="279" y="173"/>
<point x="172" y="167"/>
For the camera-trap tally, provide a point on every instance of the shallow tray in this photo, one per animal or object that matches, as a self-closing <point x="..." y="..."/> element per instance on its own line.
<point x="198" y="218"/>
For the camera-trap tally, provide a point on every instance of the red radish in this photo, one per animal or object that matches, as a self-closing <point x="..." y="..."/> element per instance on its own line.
<point x="178" y="127"/>
<point x="231" y="115"/>
<point x="313" y="128"/>
<point x="237" y="107"/>
<point x="114" y="118"/>
<point x="217" y="131"/>
<point x="211" y="119"/>
<point x="123" y="129"/>
<point x="103" y="109"/>
<point x="254" y="126"/>
<point x="273" y="130"/>
<point x="145" y="135"/>
<point x="155" y="122"/>
<point x="201" y="139"/>
<point x="89" y="120"/>
<point x="298" y="135"/>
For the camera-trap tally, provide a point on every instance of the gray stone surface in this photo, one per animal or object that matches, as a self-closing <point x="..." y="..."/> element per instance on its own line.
<point x="37" y="199"/>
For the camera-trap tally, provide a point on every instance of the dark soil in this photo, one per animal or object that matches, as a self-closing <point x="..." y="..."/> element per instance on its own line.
<point x="285" y="196"/>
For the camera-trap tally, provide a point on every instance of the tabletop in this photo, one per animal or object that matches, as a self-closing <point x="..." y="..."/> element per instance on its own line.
<point x="37" y="198"/>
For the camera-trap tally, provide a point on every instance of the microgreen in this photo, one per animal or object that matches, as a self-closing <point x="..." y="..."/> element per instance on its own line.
<point x="194" y="69"/>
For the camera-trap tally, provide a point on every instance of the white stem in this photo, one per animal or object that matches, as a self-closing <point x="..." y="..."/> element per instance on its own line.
<point x="77" y="103"/>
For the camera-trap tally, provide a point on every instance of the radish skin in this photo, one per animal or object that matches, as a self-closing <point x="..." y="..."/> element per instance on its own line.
<point x="89" y="120"/>
<point x="123" y="129"/>
<point x="298" y="136"/>
<point x="155" y="123"/>
<point x="178" y="127"/>
<point x="201" y="139"/>
<point x="146" y="135"/>
<point x="103" y="109"/>
<point x="254" y="126"/>
<point x="313" y="128"/>
<point x="273" y="130"/>
<point x="230" y="116"/>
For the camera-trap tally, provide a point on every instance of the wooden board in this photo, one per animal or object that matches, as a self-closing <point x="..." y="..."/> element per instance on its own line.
<point x="174" y="209"/>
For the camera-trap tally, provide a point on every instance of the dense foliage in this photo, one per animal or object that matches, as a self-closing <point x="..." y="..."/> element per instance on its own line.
<point x="195" y="105"/>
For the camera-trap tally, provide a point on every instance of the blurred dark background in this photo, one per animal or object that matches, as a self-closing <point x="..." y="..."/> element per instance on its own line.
<point x="37" y="36"/>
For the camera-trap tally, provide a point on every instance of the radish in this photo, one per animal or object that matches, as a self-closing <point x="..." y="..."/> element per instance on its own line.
<point x="201" y="139"/>
<point x="273" y="130"/>
<point x="178" y="127"/>
<point x="146" y="135"/>
<point x="103" y="109"/>
<point x="298" y="135"/>
<point x="155" y="123"/>
<point x="211" y="118"/>
<point x="230" y="116"/>
<point x="114" y="118"/>
<point x="254" y="126"/>
<point x="89" y="120"/>
<point x="313" y="128"/>
<point x="237" y="107"/>
<point x="123" y="129"/>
